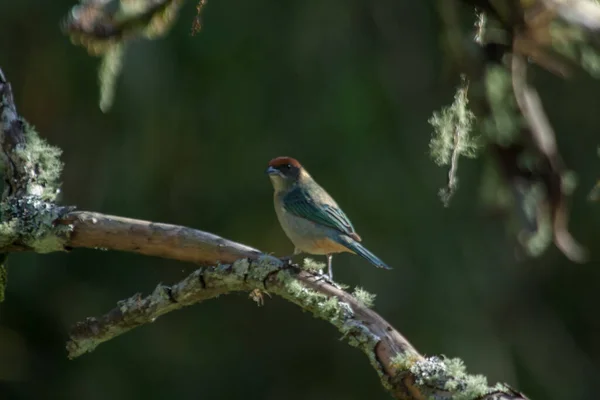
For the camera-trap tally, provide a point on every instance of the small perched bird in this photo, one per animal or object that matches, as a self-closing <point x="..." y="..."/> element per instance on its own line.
<point x="310" y="217"/>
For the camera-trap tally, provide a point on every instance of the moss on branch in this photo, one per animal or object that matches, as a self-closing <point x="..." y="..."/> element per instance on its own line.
<point x="446" y="378"/>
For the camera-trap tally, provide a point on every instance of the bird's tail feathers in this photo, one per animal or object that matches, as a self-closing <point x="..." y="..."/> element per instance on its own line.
<point x="362" y="251"/>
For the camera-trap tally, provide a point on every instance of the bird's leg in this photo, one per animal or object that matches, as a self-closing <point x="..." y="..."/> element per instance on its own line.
<point x="329" y="276"/>
<point x="330" y="266"/>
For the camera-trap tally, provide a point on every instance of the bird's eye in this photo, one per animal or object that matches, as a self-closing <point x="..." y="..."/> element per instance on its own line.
<point x="288" y="166"/>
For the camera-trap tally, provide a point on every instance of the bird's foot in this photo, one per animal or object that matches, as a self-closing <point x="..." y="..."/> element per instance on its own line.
<point x="326" y="278"/>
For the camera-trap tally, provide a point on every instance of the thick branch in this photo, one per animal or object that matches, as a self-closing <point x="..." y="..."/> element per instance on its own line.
<point x="95" y="230"/>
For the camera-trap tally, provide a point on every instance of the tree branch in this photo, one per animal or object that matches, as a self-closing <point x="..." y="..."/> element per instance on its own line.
<point x="402" y="370"/>
<point x="93" y="230"/>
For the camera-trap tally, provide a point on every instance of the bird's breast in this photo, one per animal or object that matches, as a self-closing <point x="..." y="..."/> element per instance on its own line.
<point x="306" y="235"/>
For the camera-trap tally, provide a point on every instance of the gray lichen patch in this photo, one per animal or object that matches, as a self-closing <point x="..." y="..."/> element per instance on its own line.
<point x="321" y="305"/>
<point x="314" y="266"/>
<point x="241" y="267"/>
<point x="434" y="374"/>
<point x="263" y="267"/>
<point x="31" y="221"/>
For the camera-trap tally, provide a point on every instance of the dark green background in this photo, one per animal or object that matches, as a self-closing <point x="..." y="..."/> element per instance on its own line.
<point x="347" y="88"/>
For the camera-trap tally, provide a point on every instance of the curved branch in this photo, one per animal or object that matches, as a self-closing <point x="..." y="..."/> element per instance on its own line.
<point x="403" y="371"/>
<point x="360" y="325"/>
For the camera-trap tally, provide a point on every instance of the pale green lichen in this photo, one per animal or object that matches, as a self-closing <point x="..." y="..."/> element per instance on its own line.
<point x="453" y="127"/>
<point x="263" y="267"/>
<point x="42" y="164"/>
<point x="321" y="305"/>
<point x="31" y="221"/>
<point x="50" y="242"/>
<point x="365" y="298"/>
<point x="453" y="138"/>
<point x="434" y="374"/>
<point x="313" y="266"/>
<point x="8" y="232"/>
<point x="402" y="362"/>
<point x="240" y="267"/>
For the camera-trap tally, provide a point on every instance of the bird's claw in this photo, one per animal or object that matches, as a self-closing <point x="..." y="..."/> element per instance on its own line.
<point x="327" y="279"/>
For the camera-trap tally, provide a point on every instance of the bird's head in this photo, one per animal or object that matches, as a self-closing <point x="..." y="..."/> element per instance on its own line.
<point x="285" y="172"/>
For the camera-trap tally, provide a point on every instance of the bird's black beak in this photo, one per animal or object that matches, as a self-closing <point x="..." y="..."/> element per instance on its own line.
<point x="272" y="171"/>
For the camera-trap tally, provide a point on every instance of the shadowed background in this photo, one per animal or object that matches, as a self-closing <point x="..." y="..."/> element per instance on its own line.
<point x="346" y="87"/>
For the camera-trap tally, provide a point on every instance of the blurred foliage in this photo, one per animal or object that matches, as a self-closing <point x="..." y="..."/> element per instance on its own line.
<point x="95" y="26"/>
<point x="347" y="87"/>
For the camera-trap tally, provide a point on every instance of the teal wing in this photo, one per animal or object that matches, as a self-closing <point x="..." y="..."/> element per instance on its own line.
<point x="299" y="202"/>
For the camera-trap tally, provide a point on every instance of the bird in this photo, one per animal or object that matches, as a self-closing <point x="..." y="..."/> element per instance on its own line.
<point x="310" y="217"/>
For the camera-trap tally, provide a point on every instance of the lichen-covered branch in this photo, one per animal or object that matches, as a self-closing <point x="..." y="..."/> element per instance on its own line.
<point x="402" y="370"/>
<point x="31" y="181"/>
<point x="453" y="138"/>
<point x="32" y="166"/>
